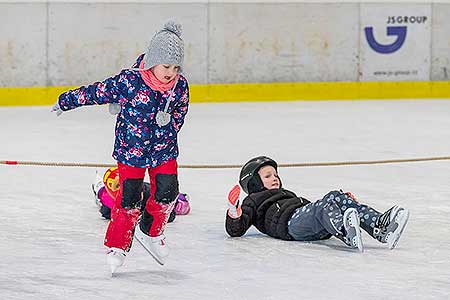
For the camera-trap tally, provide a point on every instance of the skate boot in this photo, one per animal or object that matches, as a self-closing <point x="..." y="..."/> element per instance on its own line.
<point x="352" y="235"/>
<point x="96" y="187"/>
<point x="390" y="225"/>
<point x="155" y="246"/>
<point x="115" y="258"/>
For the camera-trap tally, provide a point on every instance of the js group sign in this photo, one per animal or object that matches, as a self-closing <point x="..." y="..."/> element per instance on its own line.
<point x="395" y="42"/>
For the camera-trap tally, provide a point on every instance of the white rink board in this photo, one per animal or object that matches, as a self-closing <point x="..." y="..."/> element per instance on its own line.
<point x="283" y="43"/>
<point x="91" y="42"/>
<point x="78" y="42"/>
<point x="440" y="67"/>
<point x="23" y="48"/>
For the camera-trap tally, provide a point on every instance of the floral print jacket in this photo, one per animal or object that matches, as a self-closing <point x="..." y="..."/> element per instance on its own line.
<point x="139" y="140"/>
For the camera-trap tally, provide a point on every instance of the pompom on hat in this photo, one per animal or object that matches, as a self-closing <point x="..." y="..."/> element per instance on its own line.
<point x="166" y="47"/>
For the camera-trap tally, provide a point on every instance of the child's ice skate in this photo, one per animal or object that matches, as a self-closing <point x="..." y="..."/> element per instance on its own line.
<point x="352" y="230"/>
<point x="96" y="186"/>
<point x="115" y="258"/>
<point x="155" y="246"/>
<point x="390" y="225"/>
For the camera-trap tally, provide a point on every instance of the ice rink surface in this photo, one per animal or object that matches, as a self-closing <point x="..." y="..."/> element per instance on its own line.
<point x="51" y="237"/>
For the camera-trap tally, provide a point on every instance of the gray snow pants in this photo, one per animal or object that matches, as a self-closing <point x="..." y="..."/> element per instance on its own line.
<point x="322" y="219"/>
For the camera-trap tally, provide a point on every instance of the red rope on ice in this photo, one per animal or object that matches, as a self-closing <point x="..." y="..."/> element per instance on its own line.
<point x="291" y="165"/>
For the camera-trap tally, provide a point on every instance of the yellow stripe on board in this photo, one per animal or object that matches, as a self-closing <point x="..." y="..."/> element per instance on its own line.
<point x="30" y="95"/>
<point x="248" y="92"/>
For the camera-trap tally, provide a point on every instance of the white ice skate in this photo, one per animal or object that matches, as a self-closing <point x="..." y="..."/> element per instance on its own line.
<point x="115" y="258"/>
<point x="155" y="246"/>
<point x="390" y="225"/>
<point x="96" y="186"/>
<point x="352" y="229"/>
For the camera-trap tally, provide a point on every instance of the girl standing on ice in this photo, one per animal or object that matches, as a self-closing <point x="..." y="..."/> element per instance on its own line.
<point x="281" y="214"/>
<point x="153" y="98"/>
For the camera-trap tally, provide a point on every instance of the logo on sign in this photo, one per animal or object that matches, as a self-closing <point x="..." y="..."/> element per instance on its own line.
<point x="397" y="31"/>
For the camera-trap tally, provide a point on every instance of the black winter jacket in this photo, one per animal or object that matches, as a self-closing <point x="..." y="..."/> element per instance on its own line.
<point x="269" y="211"/>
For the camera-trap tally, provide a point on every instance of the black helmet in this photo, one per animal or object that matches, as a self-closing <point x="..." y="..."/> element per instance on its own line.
<point x="249" y="178"/>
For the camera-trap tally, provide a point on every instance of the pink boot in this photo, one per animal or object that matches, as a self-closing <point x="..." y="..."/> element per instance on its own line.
<point x="182" y="206"/>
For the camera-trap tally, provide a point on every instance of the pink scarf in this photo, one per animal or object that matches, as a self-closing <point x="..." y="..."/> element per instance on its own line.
<point x="153" y="82"/>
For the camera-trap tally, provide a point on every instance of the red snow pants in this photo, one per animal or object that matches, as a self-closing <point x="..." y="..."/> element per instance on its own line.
<point x="126" y="208"/>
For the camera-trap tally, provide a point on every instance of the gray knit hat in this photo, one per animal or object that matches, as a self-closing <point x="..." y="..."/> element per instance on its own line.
<point x="166" y="47"/>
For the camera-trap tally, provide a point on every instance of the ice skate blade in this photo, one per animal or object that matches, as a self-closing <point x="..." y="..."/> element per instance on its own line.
<point x="113" y="269"/>
<point x="395" y="236"/>
<point x="140" y="236"/>
<point x="354" y="220"/>
<point x="158" y="260"/>
<point x="359" y="243"/>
